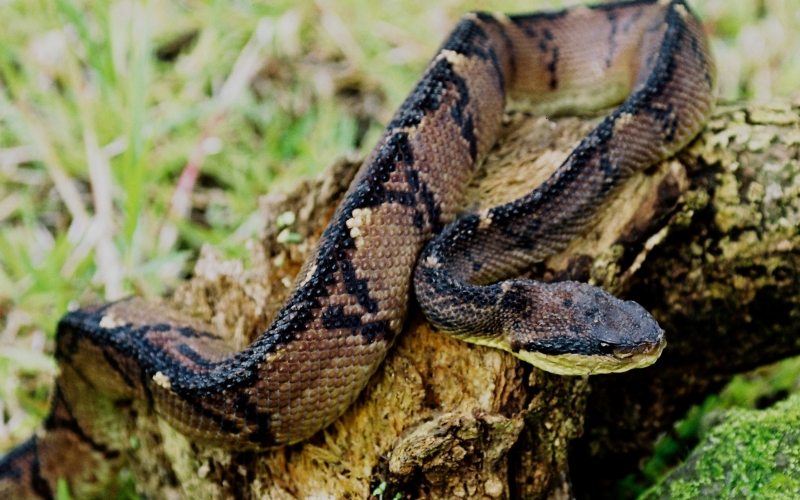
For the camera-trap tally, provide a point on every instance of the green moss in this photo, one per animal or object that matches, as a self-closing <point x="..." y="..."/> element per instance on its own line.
<point x="750" y="454"/>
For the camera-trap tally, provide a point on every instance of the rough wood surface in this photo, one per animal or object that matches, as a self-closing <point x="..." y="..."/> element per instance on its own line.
<point x="708" y="242"/>
<point x="724" y="284"/>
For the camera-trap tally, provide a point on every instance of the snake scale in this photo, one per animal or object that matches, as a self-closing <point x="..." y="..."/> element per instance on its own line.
<point x="350" y="299"/>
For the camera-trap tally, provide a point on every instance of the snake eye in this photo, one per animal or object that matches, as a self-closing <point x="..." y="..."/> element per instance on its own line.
<point x="606" y="348"/>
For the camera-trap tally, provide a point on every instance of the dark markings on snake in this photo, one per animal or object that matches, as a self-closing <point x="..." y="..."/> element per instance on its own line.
<point x="648" y="99"/>
<point x="54" y="423"/>
<point x="610" y="172"/>
<point x="196" y="357"/>
<point x="433" y="209"/>
<point x="188" y="332"/>
<point x="357" y="287"/>
<point x="469" y="39"/>
<point x="617" y="5"/>
<point x="144" y="378"/>
<point x="538" y="16"/>
<point x="244" y="410"/>
<point x="468" y="133"/>
<point x="543" y="45"/>
<point x="371" y="192"/>
<point x="490" y="19"/>
<point x="412" y="176"/>
<point x="439" y="279"/>
<point x="377" y="330"/>
<point x="612" y="37"/>
<point x="474" y="41"/>
<point x="11" y="468"/>
<point x="591" y="312"/>
<point x="38" y="483"/>
<point x="529" y="31"/>
<point x="69" y="326"/>
<point x="257" y="418"/>
<point x="514" y="300"/>
<point x="112" y="362"/>
<point x="700" y="54"/>
<point x="552" y="68"/>
<point x="334" y="318"/>
<point x="562" y="345"/>
<point x="419" y="220"/>
<point x="595" y="145"/>
<point x="425" y="97"/>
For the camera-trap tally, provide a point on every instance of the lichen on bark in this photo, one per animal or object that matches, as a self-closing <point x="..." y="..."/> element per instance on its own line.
<point x="749" y="454"/>
<point x="723" y="284"/>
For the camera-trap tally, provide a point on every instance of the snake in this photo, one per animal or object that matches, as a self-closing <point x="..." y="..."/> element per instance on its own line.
<point x="399" y="234"/>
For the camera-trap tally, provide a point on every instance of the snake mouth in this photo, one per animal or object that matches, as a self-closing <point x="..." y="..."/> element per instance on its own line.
<point x="637" y="356"/>
<point x="646" y="350"/>
<point x="623" y="358"/>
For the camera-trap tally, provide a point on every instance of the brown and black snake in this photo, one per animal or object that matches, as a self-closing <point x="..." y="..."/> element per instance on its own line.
<point x="394" y="226"/>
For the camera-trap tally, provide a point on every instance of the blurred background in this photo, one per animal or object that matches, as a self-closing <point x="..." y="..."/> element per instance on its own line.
<point x="132" y="132"/>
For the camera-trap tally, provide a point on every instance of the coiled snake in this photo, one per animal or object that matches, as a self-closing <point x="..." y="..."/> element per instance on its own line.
<point x="350" y="299"/>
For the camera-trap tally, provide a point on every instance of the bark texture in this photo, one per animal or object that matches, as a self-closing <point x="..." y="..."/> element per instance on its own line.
<point x="708" y="242"/>
<point x="723" y="284"/>
<point x="747" y="454"/>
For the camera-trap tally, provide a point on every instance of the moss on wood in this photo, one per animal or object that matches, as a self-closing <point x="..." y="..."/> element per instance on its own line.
<point x="750" y="454"/>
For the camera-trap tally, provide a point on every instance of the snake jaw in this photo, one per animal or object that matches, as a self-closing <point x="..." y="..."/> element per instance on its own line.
<point x="623" y="359"/>
<point x="630" y="357"/>
<point x="625" y="352"/>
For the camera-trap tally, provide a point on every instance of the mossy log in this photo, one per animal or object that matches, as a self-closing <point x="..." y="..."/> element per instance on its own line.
<point x="748" y="454"/>
<point x="724" y="285"/>
<point x="707" y="241"/>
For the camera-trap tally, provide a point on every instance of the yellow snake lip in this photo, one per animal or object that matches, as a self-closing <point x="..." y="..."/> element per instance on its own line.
<point x="620" y="359"/>
<point x="582" y="364"/>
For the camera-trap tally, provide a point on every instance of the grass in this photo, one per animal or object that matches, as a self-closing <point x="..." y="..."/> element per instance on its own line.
<point x="133" y="132"/>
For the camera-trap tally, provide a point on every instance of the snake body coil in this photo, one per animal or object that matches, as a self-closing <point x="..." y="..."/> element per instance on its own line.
<point x="351" y="297"/>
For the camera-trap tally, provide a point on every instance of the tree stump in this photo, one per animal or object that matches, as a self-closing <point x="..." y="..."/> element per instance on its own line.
<point x="707" y="241"/>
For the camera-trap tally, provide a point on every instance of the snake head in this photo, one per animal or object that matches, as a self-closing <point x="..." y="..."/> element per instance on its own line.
<point x="572" y="328"/>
